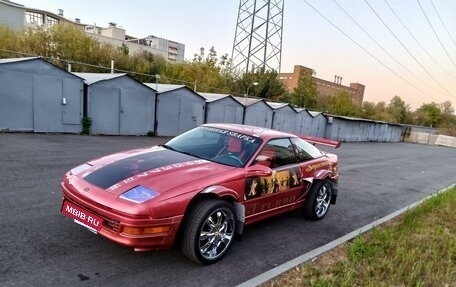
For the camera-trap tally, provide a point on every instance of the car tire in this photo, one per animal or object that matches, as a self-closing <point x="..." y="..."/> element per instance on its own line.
<point x="209" y="231"/>
<point x="318" y="201"/>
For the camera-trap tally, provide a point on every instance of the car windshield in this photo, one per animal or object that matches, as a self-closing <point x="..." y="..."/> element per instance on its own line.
<point x="218" y="145"/>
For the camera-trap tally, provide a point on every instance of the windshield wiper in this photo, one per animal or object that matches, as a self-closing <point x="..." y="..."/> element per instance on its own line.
<point x="169" y="147"/>
<point x="190" y="154"/>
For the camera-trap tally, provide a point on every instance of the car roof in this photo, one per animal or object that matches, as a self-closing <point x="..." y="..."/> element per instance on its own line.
<point x="260" y="132"/>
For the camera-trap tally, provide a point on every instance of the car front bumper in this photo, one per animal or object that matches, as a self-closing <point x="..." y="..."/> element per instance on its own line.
<point x="116" y="223"/>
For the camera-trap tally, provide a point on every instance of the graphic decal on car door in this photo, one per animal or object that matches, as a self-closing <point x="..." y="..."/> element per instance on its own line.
<point x="280" y="180"/>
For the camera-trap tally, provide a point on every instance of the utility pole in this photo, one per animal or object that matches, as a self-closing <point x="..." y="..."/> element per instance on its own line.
<point x="258" y="36"/>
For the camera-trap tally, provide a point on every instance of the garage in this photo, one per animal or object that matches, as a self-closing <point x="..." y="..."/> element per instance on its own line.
<point x="178" y="109"/>
<point x="118" y="104"/>
<point x="303" y="122"/>
<point x="222" y="108"/>
<point x="284" y="118"/>
<point x="38" y="96"/>
<point x="318" y="125"/>
<point x="256" y="112"/>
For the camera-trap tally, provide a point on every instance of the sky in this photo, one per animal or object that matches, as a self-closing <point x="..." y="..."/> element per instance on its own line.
<point x="382" y="55"/>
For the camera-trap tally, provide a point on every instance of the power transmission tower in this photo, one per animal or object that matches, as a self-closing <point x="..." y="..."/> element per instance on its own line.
<point x="258" y="36"/>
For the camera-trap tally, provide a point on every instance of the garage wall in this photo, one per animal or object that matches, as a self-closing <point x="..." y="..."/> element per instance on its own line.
<point x="16" y="97"/>
<point x="178" y="111"/>
<point x="137" y="112"/>
<point x="54" y="110"/>
<point x="37" y="96"/>
<point x="225" y="110"/>
<point x="356" y="130"/>
<point x="284" y="119"/>
<point x="104" y="109"/>
<point x="318" y="126"/>
<point x="121" y="106"/>
<point x="258" y="114"/>
<point x="303" y="123"/>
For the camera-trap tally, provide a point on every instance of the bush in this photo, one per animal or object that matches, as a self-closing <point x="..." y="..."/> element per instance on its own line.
<point x="86" y="125"/>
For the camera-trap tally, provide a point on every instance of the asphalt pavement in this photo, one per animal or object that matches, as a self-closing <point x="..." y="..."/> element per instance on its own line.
<point x="41" y="247"/>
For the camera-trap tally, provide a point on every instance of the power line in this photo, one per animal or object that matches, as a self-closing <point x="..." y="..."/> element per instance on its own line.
<point x="416" y="40"/>
<point x="381" y="47"/>
<point x="105" y="68"/>
<point x="366" y="51"/>
<point x="443" y="24"/>
<point x="433" y="30"/>
<point x="406" y="49"/>
<point x="451" y="7"/>
<point x="76" y="62"/>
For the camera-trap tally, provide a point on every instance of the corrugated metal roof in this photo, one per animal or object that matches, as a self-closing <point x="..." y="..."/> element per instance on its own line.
<point x="15" y="60"/>
<point x="41" y="60"/>
<point x="276" y="106"/>
<point x="161" y="88"/>
<point x="361" y="119"/>
<point x="91" y="78"/>
<point x="314" y="113"/>
<point x="211" y="97"/>
<point x="247" y="101"/>
<point x="302" y="110"/>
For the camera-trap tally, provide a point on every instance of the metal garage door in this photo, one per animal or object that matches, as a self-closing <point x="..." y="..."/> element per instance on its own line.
<point x="104" y="109"/>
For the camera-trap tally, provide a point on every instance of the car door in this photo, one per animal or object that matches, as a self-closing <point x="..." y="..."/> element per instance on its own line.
<point x="269" y="195"/>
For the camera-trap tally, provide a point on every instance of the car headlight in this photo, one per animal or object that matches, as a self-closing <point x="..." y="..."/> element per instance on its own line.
<point x="80" y="168"/>
<point x="139" y="194"/>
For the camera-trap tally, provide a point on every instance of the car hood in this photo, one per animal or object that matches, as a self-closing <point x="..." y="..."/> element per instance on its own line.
<point x="156" y="168"/>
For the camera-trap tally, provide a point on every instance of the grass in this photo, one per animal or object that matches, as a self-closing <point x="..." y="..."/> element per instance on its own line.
<point x="415" y="249"/>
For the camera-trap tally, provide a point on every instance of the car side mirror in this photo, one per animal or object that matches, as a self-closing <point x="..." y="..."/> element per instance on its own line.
<point x="258" y="170"/>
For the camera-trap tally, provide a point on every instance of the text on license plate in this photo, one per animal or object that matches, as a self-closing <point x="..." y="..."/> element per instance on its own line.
<point x="82" y="216"/>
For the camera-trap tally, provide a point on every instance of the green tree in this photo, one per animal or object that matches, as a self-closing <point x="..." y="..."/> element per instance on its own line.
<point x="448" y="118"/>
<point x="368" y="110"/>
<point x="446" y="108"/>
<point x="397" y="109"/>
<point x="65" y="43"/>
<point x="381" y="112"/>
<point x="269" y="86"/>
<point x="323" y="102"/>
<point x="342" y="104"/>
<point x="205" y="73"/>
<point x="9" y="41"/>
<point x="156" y="62"/>
<point x="68" y="42"/>
<point x="305" y="93"/>
<point x="428" y="114"/>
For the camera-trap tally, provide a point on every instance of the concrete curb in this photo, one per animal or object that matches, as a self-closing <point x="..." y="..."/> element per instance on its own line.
<point x="268" y="275"/>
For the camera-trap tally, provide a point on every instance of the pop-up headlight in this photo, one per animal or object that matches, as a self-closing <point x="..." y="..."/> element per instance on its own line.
<point x="139" y="194"/>
<point x="81" y="168"/>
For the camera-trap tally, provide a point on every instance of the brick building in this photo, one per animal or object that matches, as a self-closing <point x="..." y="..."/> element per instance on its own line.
<point x="356" y="90"/>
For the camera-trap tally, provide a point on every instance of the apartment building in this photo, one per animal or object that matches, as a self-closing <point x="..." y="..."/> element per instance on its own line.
<point x="19" y="17"/>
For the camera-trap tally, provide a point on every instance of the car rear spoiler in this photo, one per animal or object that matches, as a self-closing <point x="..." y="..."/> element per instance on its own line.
<point x="322" y="141"/>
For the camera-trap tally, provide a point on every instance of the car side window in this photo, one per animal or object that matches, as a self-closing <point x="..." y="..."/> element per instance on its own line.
<point x="304" y="150"/>
<point x="279" y="152"/>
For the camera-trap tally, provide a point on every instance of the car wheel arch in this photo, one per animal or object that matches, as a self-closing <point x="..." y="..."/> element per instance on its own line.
<point x="327" y="177"/>
<point x="232" y="197"/>
<point x="219" y="193"/>
<point x="323" y="174"/>
<point x="208" y="231"/>
<point x="313" y="205"/>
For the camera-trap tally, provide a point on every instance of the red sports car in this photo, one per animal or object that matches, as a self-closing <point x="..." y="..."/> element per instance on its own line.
<point x="201" y="188"/>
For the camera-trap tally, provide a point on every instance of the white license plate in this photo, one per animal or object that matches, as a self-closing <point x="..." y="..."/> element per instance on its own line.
<point x="86" y="226"/>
